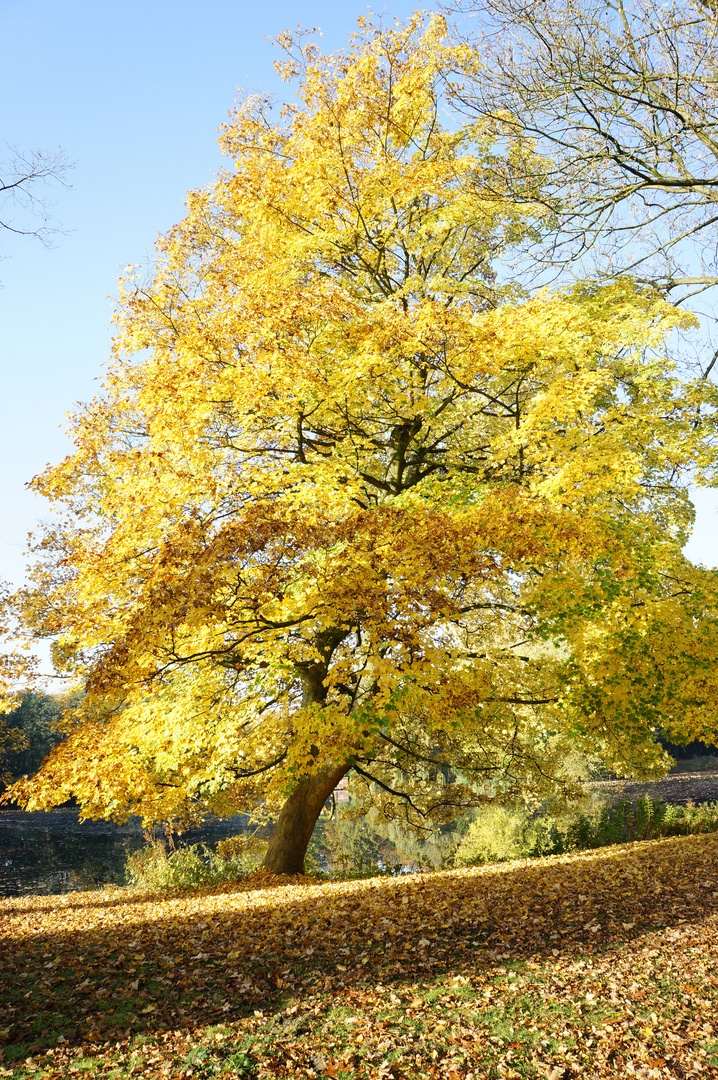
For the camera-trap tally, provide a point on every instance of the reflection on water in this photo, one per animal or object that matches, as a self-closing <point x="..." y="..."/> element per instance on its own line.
<point x="345" y="847"/>
<point x="52" y="852"/>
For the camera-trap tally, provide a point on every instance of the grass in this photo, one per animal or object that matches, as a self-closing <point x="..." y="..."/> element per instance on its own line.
<point x="595" y="964"/>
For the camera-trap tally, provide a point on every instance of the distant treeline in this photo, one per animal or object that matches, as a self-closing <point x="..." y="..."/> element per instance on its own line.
<point x="29" y="733"/>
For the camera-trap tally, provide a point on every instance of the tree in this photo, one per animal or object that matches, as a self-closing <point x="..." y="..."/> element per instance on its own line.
<point x="23" y="176"/>
<point x="30" y="733"/>
<point x="13" y="741"/>
<point x="348" y="503"/>
<point x="621" y="102"/>
<point x="16" y="668"/>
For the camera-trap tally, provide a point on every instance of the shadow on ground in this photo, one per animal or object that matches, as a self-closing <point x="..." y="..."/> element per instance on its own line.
<point x="89" y="966"/>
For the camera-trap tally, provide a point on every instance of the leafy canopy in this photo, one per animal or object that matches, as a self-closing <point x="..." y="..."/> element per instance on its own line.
<point x="348" y="497"/>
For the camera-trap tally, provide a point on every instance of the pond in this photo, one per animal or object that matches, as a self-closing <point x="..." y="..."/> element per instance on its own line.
<point x="53" y="852"/>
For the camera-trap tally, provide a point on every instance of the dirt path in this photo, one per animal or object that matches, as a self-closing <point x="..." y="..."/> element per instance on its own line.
<point x="680" y="788"/>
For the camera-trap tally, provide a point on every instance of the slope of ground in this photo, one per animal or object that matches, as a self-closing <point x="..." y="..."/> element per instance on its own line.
<point x="598" y="964"/>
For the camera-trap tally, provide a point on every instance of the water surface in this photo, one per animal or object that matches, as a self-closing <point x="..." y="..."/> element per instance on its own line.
<point x="53" y="852"/>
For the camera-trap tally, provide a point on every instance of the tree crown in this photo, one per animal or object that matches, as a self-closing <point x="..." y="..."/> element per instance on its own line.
<point x="348" y="500"/>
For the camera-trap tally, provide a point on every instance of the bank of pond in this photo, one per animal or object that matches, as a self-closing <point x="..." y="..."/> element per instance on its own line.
<point x="53" y="852"/>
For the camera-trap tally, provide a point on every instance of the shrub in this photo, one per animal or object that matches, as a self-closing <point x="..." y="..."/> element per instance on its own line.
<point x="155" y="868"/>
<point x="499" y="833"/>
<point x="245" y="849"/>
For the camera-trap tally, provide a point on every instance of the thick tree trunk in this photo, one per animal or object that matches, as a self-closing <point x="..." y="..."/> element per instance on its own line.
<point x="300" y="812"/>
<point x="297" y="819"/>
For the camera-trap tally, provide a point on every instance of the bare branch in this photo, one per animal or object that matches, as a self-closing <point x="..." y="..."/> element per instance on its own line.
<point x="24" y="180"/>
<point x="620" y="102"/>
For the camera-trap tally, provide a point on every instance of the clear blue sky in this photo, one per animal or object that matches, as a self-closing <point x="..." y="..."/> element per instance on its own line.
<point x="134" y="93"/>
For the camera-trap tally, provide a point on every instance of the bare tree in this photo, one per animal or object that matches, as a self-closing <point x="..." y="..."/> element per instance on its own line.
<point x="24" y="182"/>
<point x="621" y="100"/>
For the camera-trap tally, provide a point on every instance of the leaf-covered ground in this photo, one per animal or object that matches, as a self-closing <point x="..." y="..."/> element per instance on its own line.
<point x="598" y="964"/>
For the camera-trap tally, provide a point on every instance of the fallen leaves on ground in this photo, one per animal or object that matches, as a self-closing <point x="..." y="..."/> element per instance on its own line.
<point x="596" y="964"/>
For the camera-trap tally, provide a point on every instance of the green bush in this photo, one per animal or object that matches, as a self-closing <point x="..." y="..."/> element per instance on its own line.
<point x="155" y="868"/>
<point x="496" y="834"/>
<point x="499" y="833"/>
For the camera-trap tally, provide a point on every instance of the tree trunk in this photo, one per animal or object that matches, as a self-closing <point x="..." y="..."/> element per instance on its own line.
<point x="297" y="819"/>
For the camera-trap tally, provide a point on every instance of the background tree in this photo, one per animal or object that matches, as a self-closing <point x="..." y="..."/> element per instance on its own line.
<point x="349" y="504"/>
<point x="24" y="179"/>
<point x="31" y="731"/>
<point x="621" y="101"/>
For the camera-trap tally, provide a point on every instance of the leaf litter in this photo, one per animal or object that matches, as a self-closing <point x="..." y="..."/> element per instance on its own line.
<point x="596" y="964"/>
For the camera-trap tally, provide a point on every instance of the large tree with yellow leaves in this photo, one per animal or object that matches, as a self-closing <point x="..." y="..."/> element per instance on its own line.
<point x="348" y="503"/>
